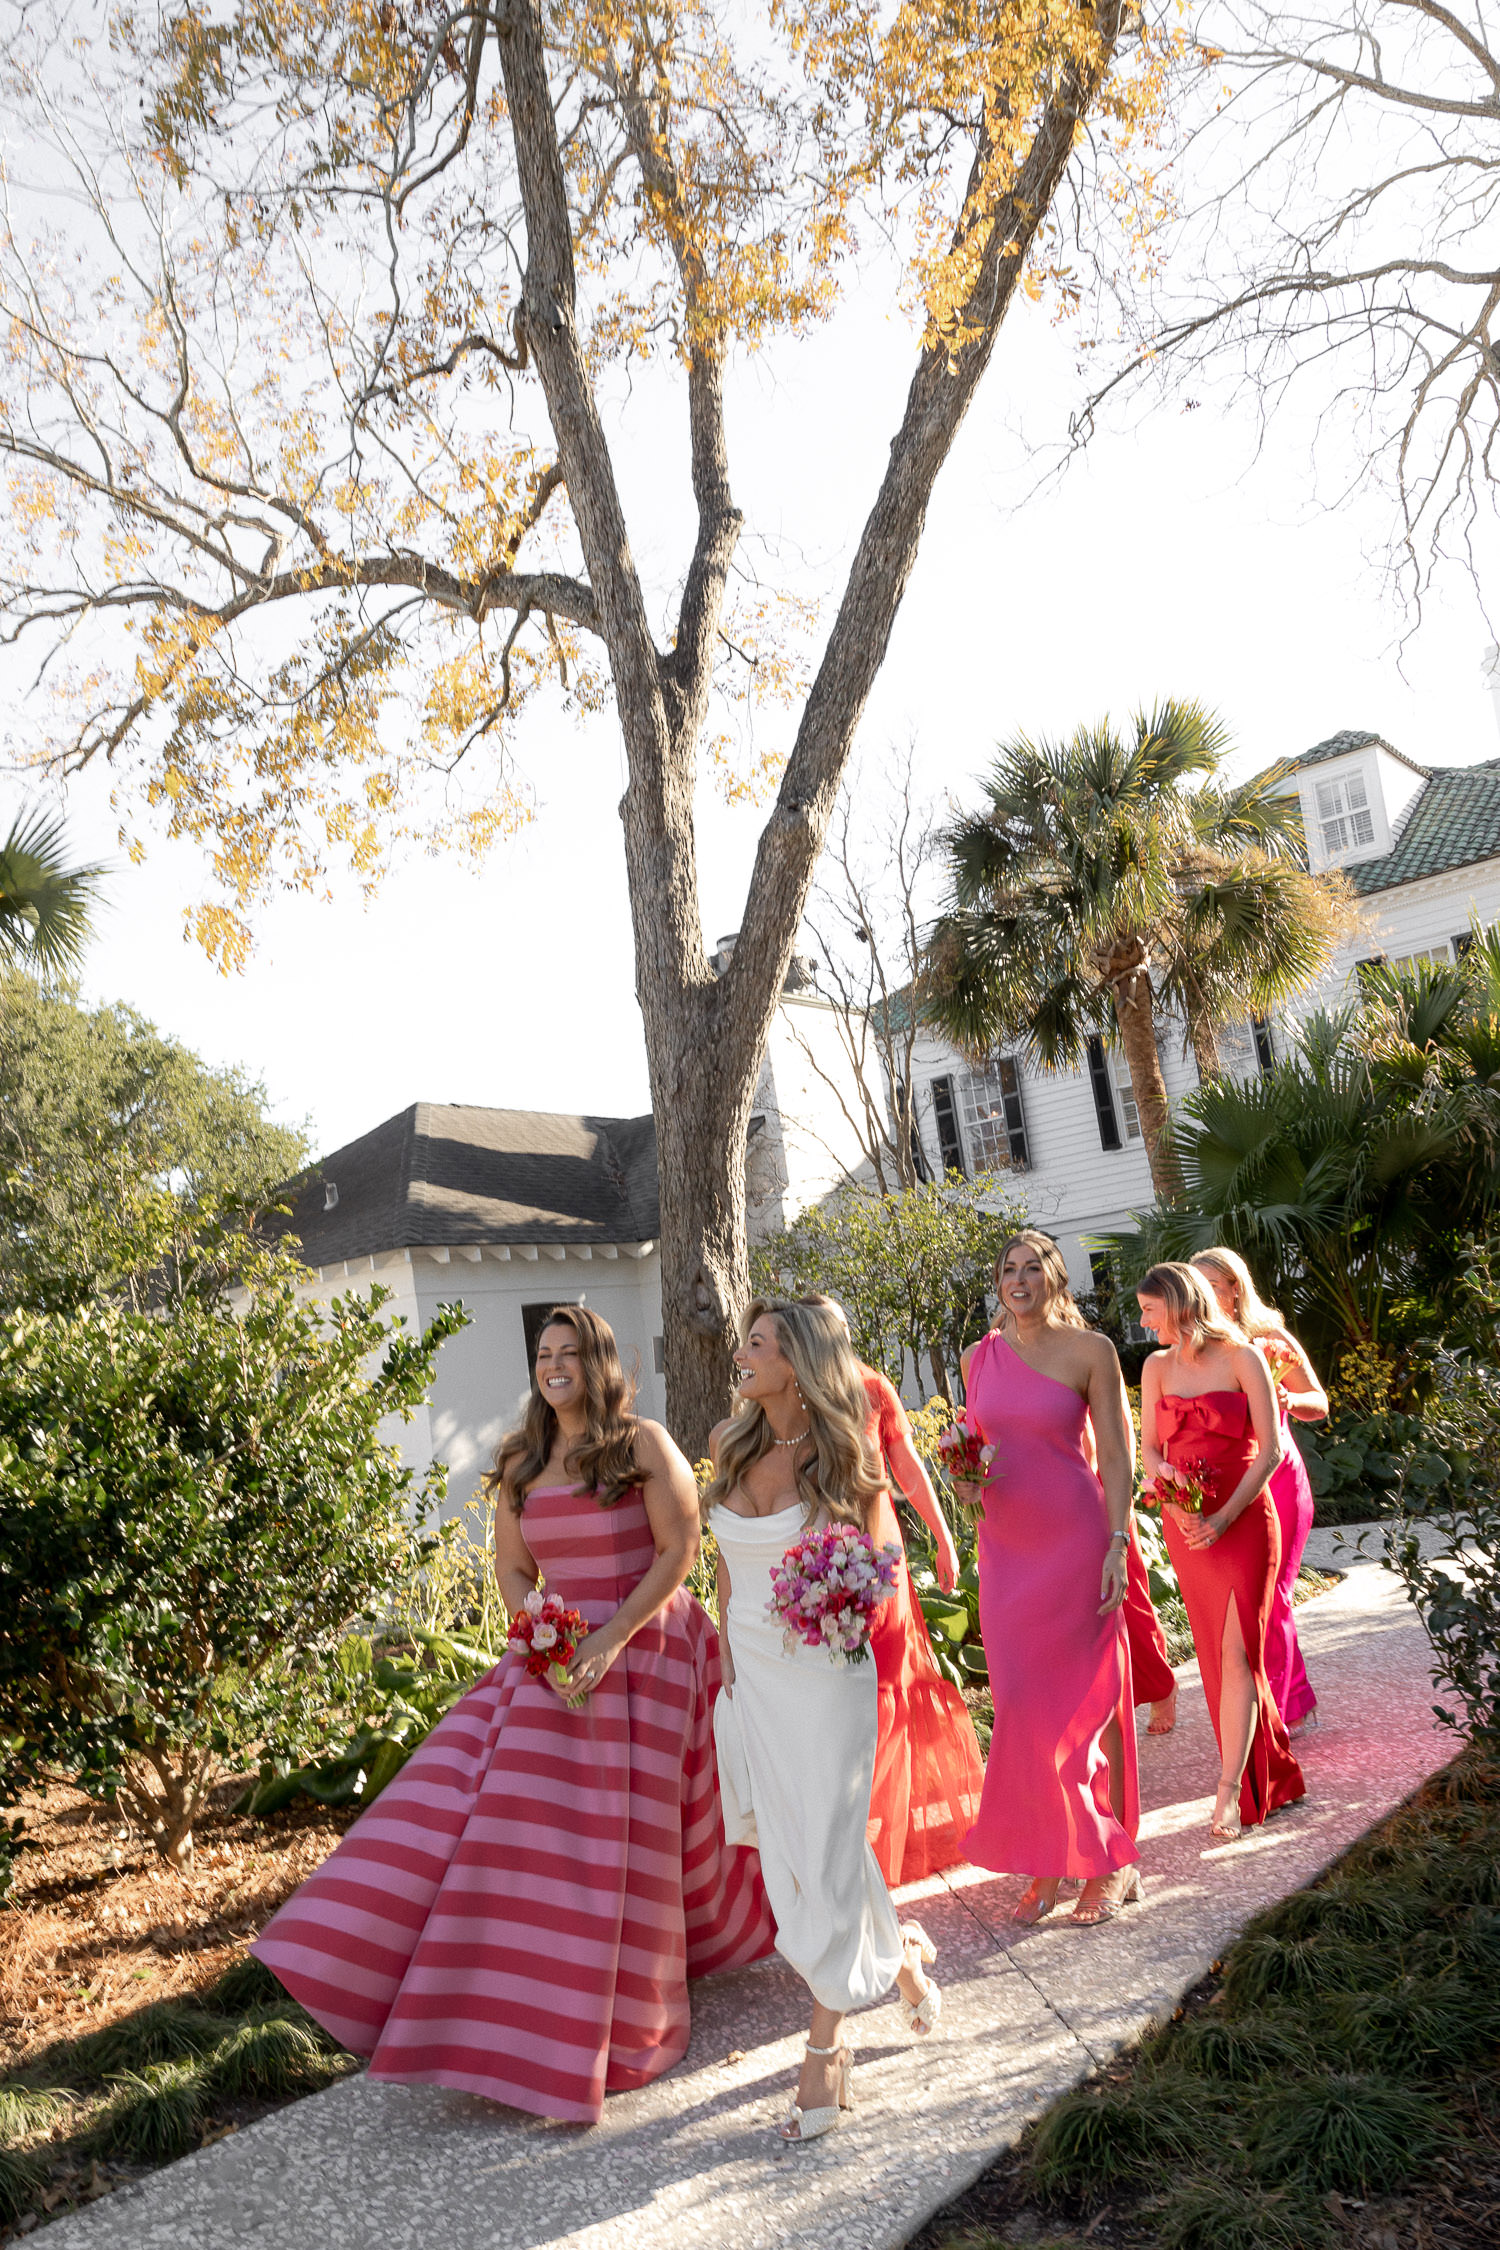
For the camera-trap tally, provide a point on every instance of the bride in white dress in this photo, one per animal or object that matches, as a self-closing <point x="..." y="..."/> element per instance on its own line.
<point x="795" y="1732"/>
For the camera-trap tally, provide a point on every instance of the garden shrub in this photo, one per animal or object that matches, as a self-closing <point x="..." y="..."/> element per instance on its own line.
<point x="1346" y="2131"/>
<point x="194" y="1507"/>
<point x="1097" y="2141"/>
<point x="1218" y="2211"/>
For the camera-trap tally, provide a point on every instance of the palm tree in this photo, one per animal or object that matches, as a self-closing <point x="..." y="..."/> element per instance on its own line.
<point x="45" y="905"/>
<point x="1105" y="880"/>
<point x="1357" y="1174"/>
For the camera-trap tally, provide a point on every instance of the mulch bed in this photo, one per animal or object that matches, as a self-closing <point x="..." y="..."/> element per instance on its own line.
<point x="98" y="1924"/>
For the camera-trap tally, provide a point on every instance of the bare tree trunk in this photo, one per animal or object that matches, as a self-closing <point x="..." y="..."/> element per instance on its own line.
<point x="1133" y="1012"/>
<point x="705" y="1035"/>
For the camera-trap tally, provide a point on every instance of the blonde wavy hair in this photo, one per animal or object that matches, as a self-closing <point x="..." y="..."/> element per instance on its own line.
<point x="1192" y="1305"/>
<point x="1060" y="1304"/>
<point x="1254" y="1315"/>
<point x="836" y="1470"/>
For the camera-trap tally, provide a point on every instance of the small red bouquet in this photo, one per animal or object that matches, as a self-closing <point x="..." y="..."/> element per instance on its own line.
<point x="549" y="1633"/>
<point x="1182" y="1485"/>
<point x="1281" y="1360"/>
<point x="964" y="1454"/>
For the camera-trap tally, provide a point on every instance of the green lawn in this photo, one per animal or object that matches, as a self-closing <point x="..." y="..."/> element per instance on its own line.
<point x="1336" y="2081"/>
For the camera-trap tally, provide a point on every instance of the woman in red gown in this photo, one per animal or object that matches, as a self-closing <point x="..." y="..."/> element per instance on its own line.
<point x="1207" y="1406"/>
<point x="928" y="1771"/>
<point x="1301" y="1398"/>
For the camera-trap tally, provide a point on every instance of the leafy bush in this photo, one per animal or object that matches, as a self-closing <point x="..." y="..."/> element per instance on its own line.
<point x="912" y="1270"/>
<point x="193" y="1509"/>
<point x="395" y="1705"/>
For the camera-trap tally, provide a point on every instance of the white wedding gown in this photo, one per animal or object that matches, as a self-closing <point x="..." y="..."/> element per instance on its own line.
<point x="796" y="1752"/>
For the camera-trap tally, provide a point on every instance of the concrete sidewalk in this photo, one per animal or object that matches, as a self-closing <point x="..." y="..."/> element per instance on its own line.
<point x="693" y="2161"/>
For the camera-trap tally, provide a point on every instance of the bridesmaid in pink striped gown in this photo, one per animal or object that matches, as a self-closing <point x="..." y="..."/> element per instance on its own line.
<point x="520" y="1910"/>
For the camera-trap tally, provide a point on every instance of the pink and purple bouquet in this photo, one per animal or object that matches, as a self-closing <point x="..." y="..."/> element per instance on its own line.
<point x="826" y="1589"/>
<point x="547" y="1633"/>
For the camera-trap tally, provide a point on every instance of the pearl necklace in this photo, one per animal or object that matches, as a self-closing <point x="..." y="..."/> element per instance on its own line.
<point x="800" y="1439"/>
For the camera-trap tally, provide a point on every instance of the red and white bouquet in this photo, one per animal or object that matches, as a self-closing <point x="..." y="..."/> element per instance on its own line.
<point x="964" y="1454"/>
<point x="549" y="1632"/>
<point x="826" y="1589"/>
<point x="1179" y="1485"/>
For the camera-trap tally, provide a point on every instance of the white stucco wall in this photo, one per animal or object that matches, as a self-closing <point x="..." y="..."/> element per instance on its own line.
<point x="482" y="1374"/>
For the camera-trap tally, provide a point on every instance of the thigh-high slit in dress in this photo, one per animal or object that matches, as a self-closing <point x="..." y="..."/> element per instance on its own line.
<point x="1211" y="1434"/>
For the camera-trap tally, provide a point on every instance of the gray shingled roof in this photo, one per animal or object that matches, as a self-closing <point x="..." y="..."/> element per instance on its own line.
<point x="1454" y="822"/>
<point x="444" y="1173"/>
<point x="1355" y="738"/>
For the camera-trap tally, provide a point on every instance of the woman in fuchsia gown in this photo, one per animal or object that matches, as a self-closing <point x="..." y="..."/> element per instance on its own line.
<point x="1060" y="1790"/>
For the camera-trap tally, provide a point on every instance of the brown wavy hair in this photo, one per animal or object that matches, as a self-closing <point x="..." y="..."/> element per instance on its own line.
<point x="604" y="1459"/>
<point x="1060" y="1302"/>
<point x="1192" y="1304"/>
<point x="836" y="1470"/>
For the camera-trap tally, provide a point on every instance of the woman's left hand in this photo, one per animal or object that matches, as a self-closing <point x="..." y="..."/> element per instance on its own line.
<point x="1206" y="1530"/>
<point x="591" y="1660"/>
<point x="1112" y="1579"/>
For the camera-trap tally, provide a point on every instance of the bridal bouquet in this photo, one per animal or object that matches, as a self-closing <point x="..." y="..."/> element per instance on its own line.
<point x="964" y="1454"/>
<point x="826" y="1589"/>
<point x="1181" y="1484"/>
<point x="549" y="1633"/>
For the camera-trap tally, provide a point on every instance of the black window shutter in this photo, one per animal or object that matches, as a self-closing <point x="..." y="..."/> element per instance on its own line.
<point x="1265" y="1053"/>
<point x="1015" y="1116"/>
<point x="1104" y="1095"/>
<point x="945" y="1117"/>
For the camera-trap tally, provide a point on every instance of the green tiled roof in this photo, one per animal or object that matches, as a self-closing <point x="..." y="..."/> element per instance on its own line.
<point x="1454" y="822"/>
<point x="1354" y="738"/>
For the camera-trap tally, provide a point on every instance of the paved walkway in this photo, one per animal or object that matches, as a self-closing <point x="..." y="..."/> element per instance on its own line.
<point x="692" y="2161"/>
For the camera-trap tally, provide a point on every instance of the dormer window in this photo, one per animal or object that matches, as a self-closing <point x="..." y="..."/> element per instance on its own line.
<point x="1344" y="815"/>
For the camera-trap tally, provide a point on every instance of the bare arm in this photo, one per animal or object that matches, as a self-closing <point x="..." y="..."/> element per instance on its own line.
<point x="1114" y="1447"/>
<point x="516" y="1571"/>
<point x="905" y="1464"/>
<point x="1153" y="1460"/>
<point x="671" y="1499"/>
<point x="1306" y="1399"/>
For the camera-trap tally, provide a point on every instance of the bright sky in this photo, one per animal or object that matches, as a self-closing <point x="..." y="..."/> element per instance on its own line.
<point x="1163" y="563"/>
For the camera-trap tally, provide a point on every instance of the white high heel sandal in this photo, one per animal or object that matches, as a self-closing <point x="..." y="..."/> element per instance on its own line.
<point x="921" y="2014"/>
<point x="808" y="2124"/>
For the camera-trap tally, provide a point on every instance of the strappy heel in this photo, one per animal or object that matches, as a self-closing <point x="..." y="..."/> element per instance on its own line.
<point x="1031" y="1908"/>
<point x="920" y="1952"/>
<point x="801" y="2125"/>
<point x="1100" y="1910"/>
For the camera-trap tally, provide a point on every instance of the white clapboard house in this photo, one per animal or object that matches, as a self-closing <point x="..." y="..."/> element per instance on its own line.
<point x="516" y="1210"/>
<point x="1421" y="845"/>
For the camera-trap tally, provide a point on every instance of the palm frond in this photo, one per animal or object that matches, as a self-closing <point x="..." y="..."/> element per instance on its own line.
<point x="45" y="906"/>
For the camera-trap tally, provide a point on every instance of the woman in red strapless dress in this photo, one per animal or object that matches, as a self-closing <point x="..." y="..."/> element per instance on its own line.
<point x="928" y="1771"/>
<point x="519" y="1912"/>
<point x="1207" y="1406"/>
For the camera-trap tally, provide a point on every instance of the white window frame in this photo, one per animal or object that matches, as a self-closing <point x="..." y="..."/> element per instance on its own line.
<point x="1439" y="956"/>
<point x="988" y="1129"/>
<point x="1345" y="815"/>
<point x="1125" y="1101"/>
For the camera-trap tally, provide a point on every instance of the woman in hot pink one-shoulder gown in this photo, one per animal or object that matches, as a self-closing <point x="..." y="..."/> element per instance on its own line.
<point x="1061" y="1795"/>
<point x="519" y="1911"/>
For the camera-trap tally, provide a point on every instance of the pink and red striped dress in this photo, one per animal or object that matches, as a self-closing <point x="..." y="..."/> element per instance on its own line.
<point x="519" y="1912"/>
